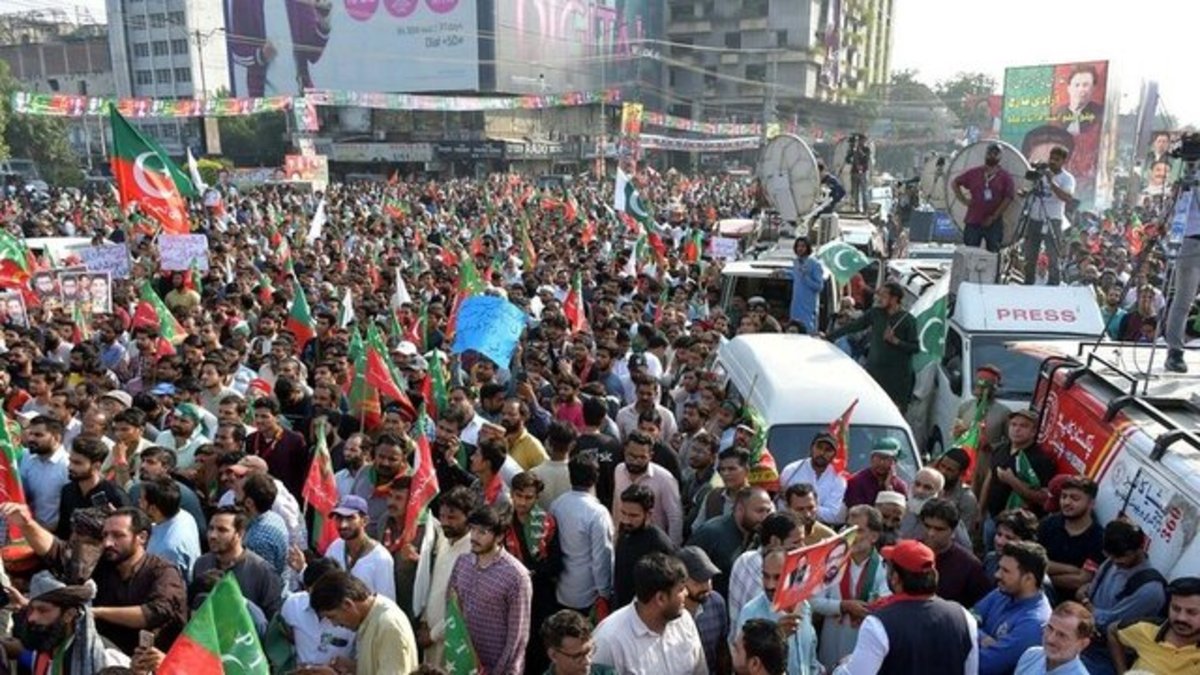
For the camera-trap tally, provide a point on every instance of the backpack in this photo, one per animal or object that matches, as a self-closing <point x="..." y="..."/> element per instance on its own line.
<point x="1134" y="582"/>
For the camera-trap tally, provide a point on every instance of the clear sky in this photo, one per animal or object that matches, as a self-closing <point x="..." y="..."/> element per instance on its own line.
<point x="1146" y="39"/>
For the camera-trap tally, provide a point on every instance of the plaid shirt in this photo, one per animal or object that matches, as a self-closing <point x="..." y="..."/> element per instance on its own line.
<point x="495" y="601"/>
<point x="267" y="536"/>
<point x="712" y="622"/>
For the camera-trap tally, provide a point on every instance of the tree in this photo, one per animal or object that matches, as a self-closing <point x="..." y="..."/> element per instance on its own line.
<point x="41" y="139"/>
<point x="966" y="96"/>
<point x="254" y="140"/>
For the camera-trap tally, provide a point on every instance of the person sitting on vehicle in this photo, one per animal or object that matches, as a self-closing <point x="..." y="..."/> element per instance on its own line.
<point x="1126" y="587"/>
<point x="995" y="419"/>
<point x="1168" y="647"/>
<point x="1072" y="537"/>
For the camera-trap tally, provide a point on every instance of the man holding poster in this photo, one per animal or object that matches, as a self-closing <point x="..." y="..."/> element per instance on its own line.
<point x="914" y="631"/>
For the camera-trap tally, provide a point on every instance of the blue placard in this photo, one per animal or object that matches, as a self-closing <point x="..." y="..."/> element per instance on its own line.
<point x="489" y="325"/>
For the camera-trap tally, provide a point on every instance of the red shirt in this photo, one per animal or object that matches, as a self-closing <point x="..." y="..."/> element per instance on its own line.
<point x="998" y="187"/>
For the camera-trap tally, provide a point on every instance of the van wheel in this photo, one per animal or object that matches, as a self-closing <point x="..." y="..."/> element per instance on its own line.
<point x="934" y="447"/>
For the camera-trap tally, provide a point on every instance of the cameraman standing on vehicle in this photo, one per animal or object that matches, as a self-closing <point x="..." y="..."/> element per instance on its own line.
<point x="1053" y="188"/>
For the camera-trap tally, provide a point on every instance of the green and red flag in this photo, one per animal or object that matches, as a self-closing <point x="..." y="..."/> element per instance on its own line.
<point x="16" y="262"/>
<point x="220" y="638"/>
<point x="382" y="373"/>
<point x="300" y="321"/>
<point x="693" y="246"/>
<point x="470" y="284"/>
<point x="152" y="312"/>
<point x="424" y="485"/>
<point x="763" y="471"/>
<point x="970" y="439"/>
<point x="573" y="305"/>
<point x="840" y="430"/>
<point x="10" y="477"/>
<point x="147" y="177"/>
<point x="460" y="655"/>
<point x="364" y="399"/>
<point x="439" y="392"/>
<point x="529" y="255"/>
<point x="321" y="493"/>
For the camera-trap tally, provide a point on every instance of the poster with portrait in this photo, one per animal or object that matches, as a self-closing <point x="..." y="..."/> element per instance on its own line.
<point x="1060" y="105"/>
<point x="806" y="571"/>
<point x="1159" y="169"/>
<point x="90" y="292"/>
<point x="44" y="284"/>
<point x="12" y="303"/>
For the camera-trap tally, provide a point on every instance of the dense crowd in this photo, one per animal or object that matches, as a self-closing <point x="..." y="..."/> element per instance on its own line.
<point x="596" y="511"/>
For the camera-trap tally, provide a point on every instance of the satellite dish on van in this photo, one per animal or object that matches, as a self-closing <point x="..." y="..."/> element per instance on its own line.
<point x="788" y="172"/>
<point x="933" y="181"/>
<point x="1011" y="160"/>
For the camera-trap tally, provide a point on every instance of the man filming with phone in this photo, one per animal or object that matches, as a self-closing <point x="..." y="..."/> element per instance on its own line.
<point x="1052" y="187"/>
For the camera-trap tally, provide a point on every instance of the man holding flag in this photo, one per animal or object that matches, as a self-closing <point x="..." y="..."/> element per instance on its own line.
<point x="985" y="418"/>
<point x="894" y="341"/>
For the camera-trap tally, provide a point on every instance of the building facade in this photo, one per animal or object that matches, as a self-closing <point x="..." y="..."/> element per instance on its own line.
<point x="169" y="49"/>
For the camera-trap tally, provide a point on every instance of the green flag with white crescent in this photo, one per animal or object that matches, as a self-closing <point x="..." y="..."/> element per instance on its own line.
<point x="931" y="334"/>
<point x="843" y="260"/>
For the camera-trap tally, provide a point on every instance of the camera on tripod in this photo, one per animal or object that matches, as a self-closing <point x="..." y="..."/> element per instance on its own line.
<point x="1187" y="147"/>
<point x="1039" y="169"/>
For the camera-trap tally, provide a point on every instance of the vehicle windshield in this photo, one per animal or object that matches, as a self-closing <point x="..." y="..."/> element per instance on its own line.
<point x="1020" y="368"/>
<point x="790" y="442"/>
<point x="777" y="291"/>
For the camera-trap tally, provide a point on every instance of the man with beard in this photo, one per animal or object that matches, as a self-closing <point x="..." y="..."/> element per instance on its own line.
<point x="226" y="553"/>
<point x="760" y="649"/>
<point x="927" y="485"/>
<point x="700" y="478"/>
<point x="654" y="635"/>
<point x="879" y="475"/>
<point x="285" y="451"/>
<point x="953" y="464"/>
<point x="796" y="623"/>
<point x="86" y="488"/>
<point x="454" y="506"/>
<point x="778" y="530"/>
<point x="960" y="574"/>
<point x="135" y="590"/>
<point x="451" y="456"/>
<point x="637" y="469"/>
<point x="864" y="581"/>
<point x="44" y="470"/>
<point x="1011" y="616"/>
<point x="893" y="342"/>
<point x="532" y="538"/>
<point x="990" y="189"/>
<point x="354" y="459"/>
<point x="185" y="435"/>
<point x="494" y="594"/>
<point x="1073" y="539"/>
<point x="726" y="537"/>
<point x="58" y="626"/>
<point x="801" y="499"/>
<point x="815" y="470"/>
<point x="1020" y="472"/>
<point x="1172" y="647"/>
<point x="359" y="554"/>
<point x="706" y="606"/>
<point x="522" y="445"/>
<point x="412" y="560"/>
<point x="160" y="463"/>
<point x="637" y="537"/>
<point x="214" y="381"/>
<point x="387" y="462"/>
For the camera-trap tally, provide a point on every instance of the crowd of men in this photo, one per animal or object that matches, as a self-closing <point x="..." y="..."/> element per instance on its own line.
<point x="596" y="511"/>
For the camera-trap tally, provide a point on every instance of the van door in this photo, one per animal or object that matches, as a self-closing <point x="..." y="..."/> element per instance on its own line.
<point x="950" y="391"/>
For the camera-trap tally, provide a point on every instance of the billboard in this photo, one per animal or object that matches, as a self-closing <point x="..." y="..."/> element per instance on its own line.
<point x="282" y="47"/>
<point x="1063" y="104"/>
<point x="547" y="46"/>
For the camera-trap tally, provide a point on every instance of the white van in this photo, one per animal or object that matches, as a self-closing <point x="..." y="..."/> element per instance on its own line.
<point x="985" y="323"/>
<point x="800" y="384"/>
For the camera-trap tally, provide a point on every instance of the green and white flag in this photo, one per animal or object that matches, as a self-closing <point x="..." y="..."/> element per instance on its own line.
<point x="843" y="260"/>
<point x="460" y="653"/>
<point x="930" y="311"/>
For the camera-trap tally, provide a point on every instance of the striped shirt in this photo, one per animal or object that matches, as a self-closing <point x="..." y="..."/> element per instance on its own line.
<point x="495" y="601"/>
<point x="267" y="536"/>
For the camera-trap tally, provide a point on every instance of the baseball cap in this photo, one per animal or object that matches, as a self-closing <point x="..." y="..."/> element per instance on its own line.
<point x="757" y="300"/>
<point x="189" y="411"/>
<point x="350" y="505"/>
<point x="406" y="348"/>
<point x="699" y="566"/>
<point x="163" y="389"/>
<point x="910" y="555"/>
<point x="251" y="463"/>
<point x="825" y="437"/>
<point x="886" y="446"/>
<point x="1028" y="413"/>
<point x="119" y="396"/>
<point x="637" y="361"/>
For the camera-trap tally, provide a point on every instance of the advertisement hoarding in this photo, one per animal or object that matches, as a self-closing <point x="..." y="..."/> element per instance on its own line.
<point x="285" y="46"/>
<point x="1063" y="104"/>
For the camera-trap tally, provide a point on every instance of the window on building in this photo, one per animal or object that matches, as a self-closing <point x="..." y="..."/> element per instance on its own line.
<point x="756" y="72"/>
<point x="733" y="40"/>
<point x="158" y="20"/>
<point x="756" y="9"/>
<point x="183" y="74"/>
<point x="144" y="77"/>
<point x="141" y="49"/>
<point x="170" y="131"/>
<point x="162" y="76"/>
<point x="781" y="38"/>
<point x="161" y="47"/>
<point x="179" y="46"/>
<point x="177" y="18"/>
<point x="136" y="22"/>
<point x="685" y="9"/>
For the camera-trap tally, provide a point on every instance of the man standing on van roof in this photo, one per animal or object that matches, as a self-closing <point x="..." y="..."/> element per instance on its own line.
<point x="808" y="278"/>
<point x="894" y="341"/>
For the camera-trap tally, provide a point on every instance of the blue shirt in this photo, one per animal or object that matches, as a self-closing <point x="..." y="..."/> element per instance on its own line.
<point x="267" y="536"/>
<point x="1015" y="625"/>
<point x="1033" y="662"/>
<point x="176" y="540"/>
<point x="802" y="645"/>
<point x="808" y="278"/>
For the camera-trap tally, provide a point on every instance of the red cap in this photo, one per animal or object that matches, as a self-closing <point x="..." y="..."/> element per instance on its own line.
<point x="988" y="372"/>
<point x="910" y="555"/>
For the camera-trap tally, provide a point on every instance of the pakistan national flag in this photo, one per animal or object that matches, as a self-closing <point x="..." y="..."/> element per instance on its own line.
<point x="219" y="639"/>
<point x="931" y="311"/>
<point x="843" y="260"/>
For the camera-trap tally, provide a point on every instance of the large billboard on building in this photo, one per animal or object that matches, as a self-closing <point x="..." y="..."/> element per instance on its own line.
<point x="285" y="46"/>
<point x="568" y="45"/>
<point x="1064" y="104"/>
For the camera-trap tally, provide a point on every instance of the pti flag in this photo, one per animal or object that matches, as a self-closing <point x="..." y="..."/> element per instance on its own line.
<point x="145" y="176"/>
<point x="220" y="638"/>
<point x="809" y="569"/>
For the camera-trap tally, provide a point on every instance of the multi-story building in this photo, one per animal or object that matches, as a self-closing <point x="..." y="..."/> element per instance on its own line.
<point x="169" y="49"/>
<point x="48" y="51"/>
<point x="794" y="60"/>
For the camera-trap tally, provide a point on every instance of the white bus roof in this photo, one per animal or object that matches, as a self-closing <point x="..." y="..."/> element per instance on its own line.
<point x="1027" y="310"/>
<point x="790" y="369"/>
<point x="754" y="268"/>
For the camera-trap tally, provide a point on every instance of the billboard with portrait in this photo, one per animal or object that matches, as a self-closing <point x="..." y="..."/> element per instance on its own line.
<point x="1065" y="105"/>
<point x="279" y="47"/>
